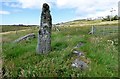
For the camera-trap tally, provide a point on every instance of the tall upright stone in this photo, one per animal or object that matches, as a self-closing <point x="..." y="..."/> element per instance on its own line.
<point x="44" y="34"/>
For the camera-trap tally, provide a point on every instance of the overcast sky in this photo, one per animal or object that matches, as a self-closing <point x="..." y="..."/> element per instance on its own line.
<point x="28" y="11"/>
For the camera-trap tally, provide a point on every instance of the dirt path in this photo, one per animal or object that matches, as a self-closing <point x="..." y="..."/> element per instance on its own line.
<point x="12" y="32"/>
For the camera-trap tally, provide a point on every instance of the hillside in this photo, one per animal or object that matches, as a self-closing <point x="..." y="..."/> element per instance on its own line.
<point x="100" y="50"/>
<point x="78" y="23"/>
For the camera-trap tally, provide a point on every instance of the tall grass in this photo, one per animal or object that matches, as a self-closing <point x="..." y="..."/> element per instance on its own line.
<point x="6" y="28"/>
<point x="21" y="60"/>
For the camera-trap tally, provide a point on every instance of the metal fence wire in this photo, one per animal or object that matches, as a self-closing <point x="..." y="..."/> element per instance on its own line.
<point x="104" y="30"/>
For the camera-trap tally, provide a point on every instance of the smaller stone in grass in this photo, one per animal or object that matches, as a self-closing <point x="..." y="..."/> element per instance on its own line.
<point x="78" y="53"/>
<point x="80" y="64"/>
<point x="80" y="44"/>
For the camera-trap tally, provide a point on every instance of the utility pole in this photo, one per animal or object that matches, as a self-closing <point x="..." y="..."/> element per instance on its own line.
<point x="111" y="13"/>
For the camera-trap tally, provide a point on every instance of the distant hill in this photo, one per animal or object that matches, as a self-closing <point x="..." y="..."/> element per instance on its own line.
<point x="87" y="23"/>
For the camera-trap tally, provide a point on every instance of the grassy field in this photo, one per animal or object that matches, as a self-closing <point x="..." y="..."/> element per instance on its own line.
<point x="21" y="60"/>
<point x="6" y="28"/>
<point x="78" y="23"/>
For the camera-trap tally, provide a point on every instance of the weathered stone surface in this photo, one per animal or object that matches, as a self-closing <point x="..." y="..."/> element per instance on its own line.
<point x="32" y="35"/>
<point x="79" y="45"/>
<point x="81" y="61"/>
<point x="80" y="64"/>
<point x="78" y="53"/>
<point x="44" y="35"/>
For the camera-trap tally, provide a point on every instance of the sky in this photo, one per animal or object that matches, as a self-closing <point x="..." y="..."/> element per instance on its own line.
<point x="28" y="11"/>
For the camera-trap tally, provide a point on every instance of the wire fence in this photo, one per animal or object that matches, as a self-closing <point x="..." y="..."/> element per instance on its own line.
<point x="104" y="30"/>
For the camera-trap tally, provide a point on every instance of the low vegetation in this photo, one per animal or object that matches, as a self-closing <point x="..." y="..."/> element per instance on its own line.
<point x="109" y="18"/>
<point x="6" y="28"/>
<point x="21" y="60"/>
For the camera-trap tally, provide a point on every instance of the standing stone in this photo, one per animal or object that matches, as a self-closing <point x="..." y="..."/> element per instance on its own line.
<point x="44" y="34"/>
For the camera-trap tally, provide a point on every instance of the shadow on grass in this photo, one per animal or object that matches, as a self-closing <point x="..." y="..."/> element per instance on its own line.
<point x="59" y="46"/>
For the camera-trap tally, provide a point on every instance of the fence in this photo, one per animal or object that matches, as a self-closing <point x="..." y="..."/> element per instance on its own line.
<point x="104" y="30"/>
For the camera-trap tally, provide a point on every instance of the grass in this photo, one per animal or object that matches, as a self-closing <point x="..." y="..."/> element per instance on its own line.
<point x="21" y="60"/>
<point x="6" y="28"/>
<point x="78" y="23"/>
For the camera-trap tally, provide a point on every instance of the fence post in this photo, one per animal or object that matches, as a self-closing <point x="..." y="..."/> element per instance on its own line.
<point x="92" y="30"/>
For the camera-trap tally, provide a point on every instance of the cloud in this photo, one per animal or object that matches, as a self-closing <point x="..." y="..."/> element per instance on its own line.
<point x="33" y="4"/>
<point x="12" y="4"/>
<point x="7" y="0"/>
<point x="4" y="12"/>
<point x="91" y="8"/>
<point x="84" y="8"/>
<point x="119" y="9"/>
